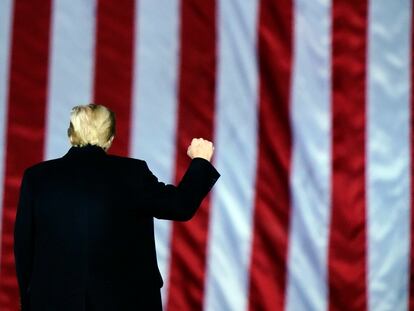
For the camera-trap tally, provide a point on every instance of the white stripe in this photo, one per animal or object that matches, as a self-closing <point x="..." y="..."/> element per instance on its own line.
<point x="388" y="154"/>
<point x="71" y="68"/>
<point x="229" y="245"/>
<point x="6" y="13"/>
<point x="311" y="164"/>
<point x="155" y="102"/>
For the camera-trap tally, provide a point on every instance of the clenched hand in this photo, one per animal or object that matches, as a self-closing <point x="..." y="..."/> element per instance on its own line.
<point x="200" y="148"/>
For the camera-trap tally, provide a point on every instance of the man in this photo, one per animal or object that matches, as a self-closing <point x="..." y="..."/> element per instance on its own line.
<point x="84" y="232"/>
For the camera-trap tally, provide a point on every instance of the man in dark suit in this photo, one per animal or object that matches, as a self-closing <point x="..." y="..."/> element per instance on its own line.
<point x="84" y="232"/>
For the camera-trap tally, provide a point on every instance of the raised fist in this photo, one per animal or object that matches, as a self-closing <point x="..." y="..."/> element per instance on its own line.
<point x="200" y="148"/>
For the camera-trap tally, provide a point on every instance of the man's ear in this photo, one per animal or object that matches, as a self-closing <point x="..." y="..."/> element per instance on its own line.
<point x="111" y="139"/>
<point x="109" y="143"/>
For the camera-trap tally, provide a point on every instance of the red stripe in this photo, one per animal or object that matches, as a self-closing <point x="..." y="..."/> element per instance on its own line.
<point x="114" y="65"/>
<point x="272" y="202"/>
<point x="347" y="244"/>
<point x="195" y="119"/>
<point x="25" y="122"/>
<point x="411" y="279"/>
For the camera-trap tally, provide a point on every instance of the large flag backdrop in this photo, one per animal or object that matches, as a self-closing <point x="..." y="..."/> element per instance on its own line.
<point x="309" y="103"/>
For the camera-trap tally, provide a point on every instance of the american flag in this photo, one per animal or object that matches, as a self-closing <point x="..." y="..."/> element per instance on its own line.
<point x="309" y="104"/>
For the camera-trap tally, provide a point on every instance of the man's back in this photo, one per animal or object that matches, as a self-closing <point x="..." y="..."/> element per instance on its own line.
<point x="84" y="230"/>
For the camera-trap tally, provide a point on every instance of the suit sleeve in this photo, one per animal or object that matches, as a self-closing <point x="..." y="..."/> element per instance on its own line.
<point x="23" y="241"/>
<point x="179" y="202"/>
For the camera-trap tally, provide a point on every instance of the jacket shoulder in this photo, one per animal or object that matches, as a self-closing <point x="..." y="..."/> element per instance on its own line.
<point x="42" y="166"/>
<point x="126" y="161"/>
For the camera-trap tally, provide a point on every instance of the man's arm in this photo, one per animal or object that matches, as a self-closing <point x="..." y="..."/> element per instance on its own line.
<point x="182" y="201"/>
<point x="23" y="240"/>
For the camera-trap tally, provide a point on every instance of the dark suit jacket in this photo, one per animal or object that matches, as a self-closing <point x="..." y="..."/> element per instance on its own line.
<point x="84" y="232"/>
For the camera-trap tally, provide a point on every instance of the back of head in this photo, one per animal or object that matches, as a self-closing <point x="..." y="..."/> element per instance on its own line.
<point x="91" y="124"/>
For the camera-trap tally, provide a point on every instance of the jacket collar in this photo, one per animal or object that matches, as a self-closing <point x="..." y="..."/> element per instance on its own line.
<point x="85" y="152"/>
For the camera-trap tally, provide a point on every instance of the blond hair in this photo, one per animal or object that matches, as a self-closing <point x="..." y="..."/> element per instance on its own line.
<point x="91" y="124"/>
